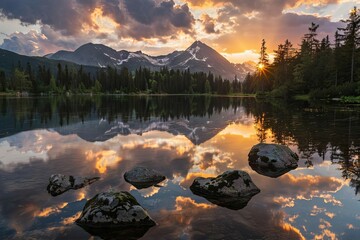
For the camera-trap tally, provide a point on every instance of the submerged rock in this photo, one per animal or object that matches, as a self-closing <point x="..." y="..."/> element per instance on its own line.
<point x="272" y="160"/>
<point x="232" y="189"/>
<point x="115" y="216"/>
<point x="59" y="183"/>
<point x="141" y="177"/>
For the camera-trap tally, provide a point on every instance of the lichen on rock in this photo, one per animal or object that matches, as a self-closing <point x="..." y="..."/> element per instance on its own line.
<point x="110" y="209"/>
<point x="59" y="183"/>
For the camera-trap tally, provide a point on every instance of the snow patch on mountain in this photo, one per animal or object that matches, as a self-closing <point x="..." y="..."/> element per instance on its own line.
<point x="193" y="52"/>
<point x="112" y="58"/>
<point x="102" y="66"/>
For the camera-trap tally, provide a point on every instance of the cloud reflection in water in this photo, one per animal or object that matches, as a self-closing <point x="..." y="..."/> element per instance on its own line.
<point x="31" y="212"/>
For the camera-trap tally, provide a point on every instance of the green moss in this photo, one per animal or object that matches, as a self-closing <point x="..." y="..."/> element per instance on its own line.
<point x="350" y="99"/>
<point x="126" y="197"/>
<point x="304" y="97"/>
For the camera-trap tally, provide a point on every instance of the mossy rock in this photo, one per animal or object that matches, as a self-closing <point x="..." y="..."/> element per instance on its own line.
<point x="59" y="183"/>
<point x="272" y="160"/>
<point x="109" y="210"/>
<point x="232" y="189"/>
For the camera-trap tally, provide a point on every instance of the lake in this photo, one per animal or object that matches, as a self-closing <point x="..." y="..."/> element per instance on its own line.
<point x="183" y="137"/>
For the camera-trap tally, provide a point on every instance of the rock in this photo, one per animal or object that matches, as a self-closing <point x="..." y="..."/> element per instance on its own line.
<point x="141" y="177"/>
<point x="58" y="183"/>
<point x="232" y="189"/>
<point x="272" y="160"/>
<point x="115" y="216"/>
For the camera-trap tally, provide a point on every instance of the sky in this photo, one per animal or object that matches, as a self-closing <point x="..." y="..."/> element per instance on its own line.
<point x="234" y="28"/>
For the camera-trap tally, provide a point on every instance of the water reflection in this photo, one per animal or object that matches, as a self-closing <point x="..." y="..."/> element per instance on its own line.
<point x="118" y="233"/>
<point x="195" y="137"/>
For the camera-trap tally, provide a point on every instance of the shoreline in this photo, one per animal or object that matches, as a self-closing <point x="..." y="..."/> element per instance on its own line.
<point x="125" y="94"/>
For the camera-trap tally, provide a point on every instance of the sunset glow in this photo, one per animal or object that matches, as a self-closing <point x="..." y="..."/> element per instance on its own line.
<point x="233" y="28"/>
<point x="180" y="119"/>
<point x="261" y="66"/>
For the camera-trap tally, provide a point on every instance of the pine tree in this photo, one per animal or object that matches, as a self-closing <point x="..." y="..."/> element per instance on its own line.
<point x="3" y="83"/>
<point x="310" y="38"/>
<point x="264" y="57"/>
<point x="351" y="36"/>
<point x="263" y="64"/>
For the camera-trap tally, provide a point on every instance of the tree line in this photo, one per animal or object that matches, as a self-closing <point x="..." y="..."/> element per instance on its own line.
<point x="319" y="68"/>
<point x="113" y="80"/>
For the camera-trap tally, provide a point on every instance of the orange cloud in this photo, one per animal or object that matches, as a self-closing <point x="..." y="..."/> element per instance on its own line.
<point x="289" y="228"/>
<point x="100" y="22"/>
<point x="71" y="220"/>
<point x="330" y="214"/>
<point x="326" y="233"/>
<point x="103" y="159"/>
<point x="50" y="210"/>
<point x="182" y="203"/>
<point x="203" y="3"/>
<point x="284" y="201"/>
<point x="298" y="3"/>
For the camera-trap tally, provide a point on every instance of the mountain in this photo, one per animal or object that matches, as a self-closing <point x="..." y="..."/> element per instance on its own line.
<point x="201" y="58"/>
<point x="10" y="59"/>
<point x="197" y="129"/>
<point x="246" y="67"/>
<point x="198" y="57"/>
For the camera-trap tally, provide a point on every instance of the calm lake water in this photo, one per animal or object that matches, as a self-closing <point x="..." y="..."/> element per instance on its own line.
<point x="182" y="137"/>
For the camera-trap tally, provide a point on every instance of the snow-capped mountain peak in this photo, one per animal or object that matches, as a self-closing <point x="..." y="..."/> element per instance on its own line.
<point x="199" y="57"/>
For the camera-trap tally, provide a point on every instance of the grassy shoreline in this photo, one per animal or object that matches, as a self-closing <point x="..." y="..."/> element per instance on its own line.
<point x="302" y="97"/>
<point x="131" y="94"/>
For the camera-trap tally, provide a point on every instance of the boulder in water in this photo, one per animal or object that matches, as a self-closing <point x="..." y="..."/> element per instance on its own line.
<point x="141" y="177"/>
<point x="232" y="189"/>
<point x="115" y="216"/>
<point x="272" y="160"/>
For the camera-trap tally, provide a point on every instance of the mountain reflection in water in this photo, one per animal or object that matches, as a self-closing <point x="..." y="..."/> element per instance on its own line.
<point x="182" y="137"/>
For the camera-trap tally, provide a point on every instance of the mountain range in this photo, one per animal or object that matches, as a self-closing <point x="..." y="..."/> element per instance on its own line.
<point x="197" y="129"/>
<point x="199" y="57"/>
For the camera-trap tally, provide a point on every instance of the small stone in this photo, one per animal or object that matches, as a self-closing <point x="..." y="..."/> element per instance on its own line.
<point x="272" y="160"/>
<point x="141" y="177"/>
<point x="59" y="183"/>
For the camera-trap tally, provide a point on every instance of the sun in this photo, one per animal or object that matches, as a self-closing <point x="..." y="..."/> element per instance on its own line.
<point x="261" y="66"/>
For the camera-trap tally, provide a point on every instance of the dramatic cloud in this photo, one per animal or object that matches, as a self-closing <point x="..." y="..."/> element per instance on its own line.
<point x="161" y="26"/>
<point x="63" y="15"/>
<point x="71" y="17"/>
<point x="269" y="6"/>
<point x="209" y="24"/>
<point x="147" y="19"/>
<point x="41" y="43"/>
<point x="106" y="21"/>
<point x="248" y="31"/>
